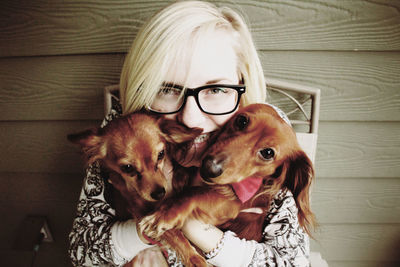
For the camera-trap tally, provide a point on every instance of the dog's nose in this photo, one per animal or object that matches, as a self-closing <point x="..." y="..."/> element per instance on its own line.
<point x="211" y="167"/>
<point x="158" y="193"/>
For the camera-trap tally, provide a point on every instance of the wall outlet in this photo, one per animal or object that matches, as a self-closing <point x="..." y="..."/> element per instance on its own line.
<point x="33" y="231"/>
<point x="45" y="230"/>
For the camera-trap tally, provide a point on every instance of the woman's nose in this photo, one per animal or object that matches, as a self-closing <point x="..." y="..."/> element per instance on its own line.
<point x="191" y="115"/>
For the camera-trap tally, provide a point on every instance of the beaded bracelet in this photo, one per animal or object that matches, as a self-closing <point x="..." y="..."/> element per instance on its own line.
<point x="219" y="246"/>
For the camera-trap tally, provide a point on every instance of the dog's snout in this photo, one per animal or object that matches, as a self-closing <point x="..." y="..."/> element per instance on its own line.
<point x="158" y="193"/>
<point x="211" y="167"/>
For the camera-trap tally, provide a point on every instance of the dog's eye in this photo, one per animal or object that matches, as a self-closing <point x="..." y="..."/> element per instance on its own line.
<point x="128" y="169"/>
<point x="161" y="155"/>
<point x="266" y="153"/>
<point x="241" y="122"/>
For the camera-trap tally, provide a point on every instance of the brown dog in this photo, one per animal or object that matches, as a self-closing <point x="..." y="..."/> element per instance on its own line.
<point x="133" y="150"/>
<point x="255" y="145"/>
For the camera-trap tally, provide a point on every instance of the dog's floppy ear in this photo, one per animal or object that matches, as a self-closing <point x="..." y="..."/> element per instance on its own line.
<point x="91" y="143"/>
<point x="178" y="133"/>
<point x="299" y="176"/>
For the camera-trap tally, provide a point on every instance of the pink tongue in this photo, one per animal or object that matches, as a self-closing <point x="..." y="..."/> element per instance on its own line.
<point x="247" y="188"/>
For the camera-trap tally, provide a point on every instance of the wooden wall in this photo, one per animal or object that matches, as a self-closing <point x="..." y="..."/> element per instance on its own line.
<point x="57" y="56"/>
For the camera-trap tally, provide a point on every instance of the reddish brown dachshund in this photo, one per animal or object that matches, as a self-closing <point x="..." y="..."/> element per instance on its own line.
<point x="133" y="150"/>
<point x="255" y="147"/>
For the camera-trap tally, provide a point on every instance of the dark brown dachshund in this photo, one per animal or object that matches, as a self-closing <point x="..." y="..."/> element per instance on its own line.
<point x="133" y="150"/>
<point x="256" y="147"/>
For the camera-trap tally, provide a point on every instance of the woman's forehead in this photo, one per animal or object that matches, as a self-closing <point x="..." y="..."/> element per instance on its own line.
<point x="211" y="58"/>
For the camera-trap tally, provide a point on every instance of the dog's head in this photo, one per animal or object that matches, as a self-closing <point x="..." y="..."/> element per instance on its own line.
<point x="257" y="142"/>
<point x="134" y="147"/>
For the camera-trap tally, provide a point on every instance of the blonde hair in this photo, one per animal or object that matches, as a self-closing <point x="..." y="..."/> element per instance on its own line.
<point x="164" y="38"/>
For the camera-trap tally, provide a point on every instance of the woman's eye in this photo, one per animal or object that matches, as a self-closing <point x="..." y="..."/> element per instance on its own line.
<point x="128" y="169"/>
<point x="267" y="153"/>
<point x="169" y="91"/>
<point x="161" y="155"/>
<point x="217" y="90"/>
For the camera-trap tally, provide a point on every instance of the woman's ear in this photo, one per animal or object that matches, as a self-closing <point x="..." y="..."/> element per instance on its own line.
<point x="91" y="143"/>
<point x="177" y="133"/>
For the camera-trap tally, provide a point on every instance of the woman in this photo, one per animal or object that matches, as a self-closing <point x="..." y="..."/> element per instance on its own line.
<point x="172" y="68"/>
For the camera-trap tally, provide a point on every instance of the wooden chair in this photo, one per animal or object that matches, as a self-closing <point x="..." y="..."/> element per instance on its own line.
<point x="299" y="96"/>
<point x="300" y="103"/>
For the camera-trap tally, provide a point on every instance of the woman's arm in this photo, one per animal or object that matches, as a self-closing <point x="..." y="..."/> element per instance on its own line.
<point x="205" y="236"/>
<point x="284" y="241"/>
<point x="90" y="237"/>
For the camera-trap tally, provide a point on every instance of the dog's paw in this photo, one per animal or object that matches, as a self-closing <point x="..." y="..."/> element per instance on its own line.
<point x="197" y="261"/>
<point x="155" y="225"/>
<point x="148" y="226"/>
<point x="190" y="256"/>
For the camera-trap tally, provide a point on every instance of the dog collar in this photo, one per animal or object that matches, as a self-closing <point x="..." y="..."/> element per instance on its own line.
<point x="247" y="188"/>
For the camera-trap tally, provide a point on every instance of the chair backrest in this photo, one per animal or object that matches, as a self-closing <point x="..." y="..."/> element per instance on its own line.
<point x="110" y="93"/>
<point x="305" y="103"/>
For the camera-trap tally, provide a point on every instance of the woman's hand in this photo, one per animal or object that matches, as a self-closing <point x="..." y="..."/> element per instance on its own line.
<point x="150" y="257"/>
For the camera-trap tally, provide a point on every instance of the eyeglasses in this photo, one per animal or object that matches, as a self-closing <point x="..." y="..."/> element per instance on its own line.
<point x="214" y="99"/>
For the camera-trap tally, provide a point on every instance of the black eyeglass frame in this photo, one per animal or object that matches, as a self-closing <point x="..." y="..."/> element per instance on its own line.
<point x="240" y="89"/>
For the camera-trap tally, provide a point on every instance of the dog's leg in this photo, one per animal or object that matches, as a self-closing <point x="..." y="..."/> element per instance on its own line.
<point x="178" y="242"/>
<point x="202" y="203"/>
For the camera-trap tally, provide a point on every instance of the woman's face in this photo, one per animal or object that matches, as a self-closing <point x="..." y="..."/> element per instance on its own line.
<point x="214" y="62"/>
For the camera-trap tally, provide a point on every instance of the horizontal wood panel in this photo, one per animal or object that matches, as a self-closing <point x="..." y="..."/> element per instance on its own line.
<point x="16" y="258"/>
<point x="52" y="195"/>
<point x="39" y="187"/>
<point x="356" y="200"/>
<point x="56" y="88"/>
<point x="364" y="263"/>
<point x="40" y="147"/>
<point x="354" y="86"/>
<point x="71" y="27"/>
<point x="344" y="149"/>
<point x="358" y="149"/>
<point x="47" y="256"/>
<point x="59" y="216"/>
<point x="44" y="194"/>
<point x="358" y="242"/>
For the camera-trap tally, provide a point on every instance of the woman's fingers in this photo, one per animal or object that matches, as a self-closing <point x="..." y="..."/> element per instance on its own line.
<point x="150" y="257"/>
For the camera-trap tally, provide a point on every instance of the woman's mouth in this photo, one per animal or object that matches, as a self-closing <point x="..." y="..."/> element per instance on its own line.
<point x="193" y="154"/>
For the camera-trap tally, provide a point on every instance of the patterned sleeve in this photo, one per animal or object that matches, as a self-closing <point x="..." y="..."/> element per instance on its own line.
<point x="90" y="237"/>
<point x="284" y="241"/>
